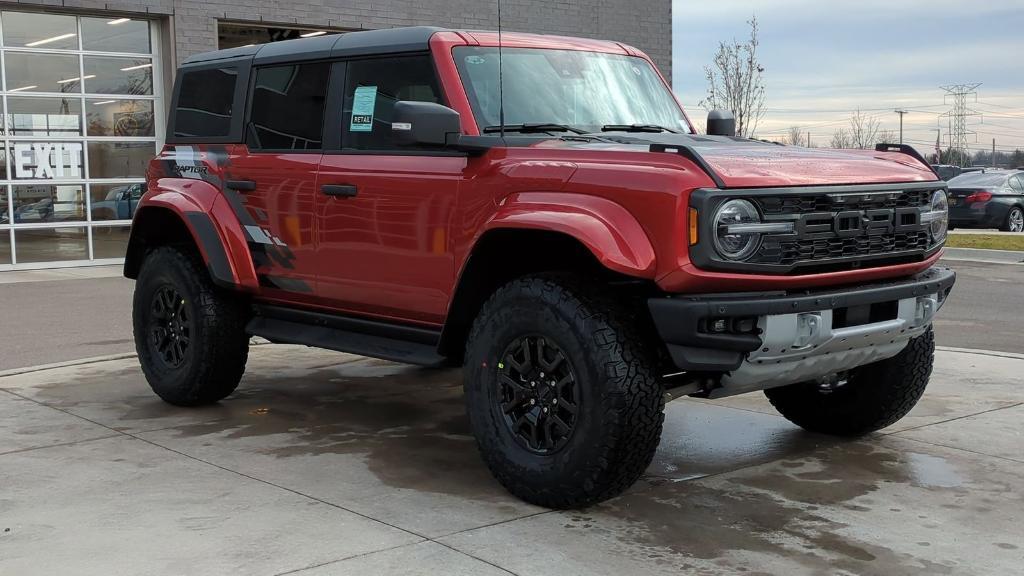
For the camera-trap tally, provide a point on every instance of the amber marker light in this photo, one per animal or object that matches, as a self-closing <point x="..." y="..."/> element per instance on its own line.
<point x="693" y="226"/>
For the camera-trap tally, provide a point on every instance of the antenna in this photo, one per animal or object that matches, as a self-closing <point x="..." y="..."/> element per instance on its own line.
<point x="501" y="91"/>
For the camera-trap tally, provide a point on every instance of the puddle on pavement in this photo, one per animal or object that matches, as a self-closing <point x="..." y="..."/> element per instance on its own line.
<point x="408" y="424"/>
<point x="785" y="510"/>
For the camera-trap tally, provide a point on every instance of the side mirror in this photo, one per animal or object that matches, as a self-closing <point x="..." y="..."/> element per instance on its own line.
<point x="721" y="123"/>
<point x="424" y="124"/>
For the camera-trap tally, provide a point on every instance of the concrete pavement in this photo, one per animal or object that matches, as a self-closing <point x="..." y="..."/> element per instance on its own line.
<point x="325" y="463"/>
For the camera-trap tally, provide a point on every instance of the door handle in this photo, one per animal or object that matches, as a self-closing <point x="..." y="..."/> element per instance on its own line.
<point x="241" y="185"/>
<point x="339" y="190"/>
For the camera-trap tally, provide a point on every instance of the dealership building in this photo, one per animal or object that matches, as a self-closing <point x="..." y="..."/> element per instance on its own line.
<point x="85" y="88"/>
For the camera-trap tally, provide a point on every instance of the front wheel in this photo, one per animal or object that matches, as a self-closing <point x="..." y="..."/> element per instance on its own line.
<point x="189" y="335"/>
<point x="865" y="399"/>
<point x="561" y="393"/>
<point x="1014" y="220"/>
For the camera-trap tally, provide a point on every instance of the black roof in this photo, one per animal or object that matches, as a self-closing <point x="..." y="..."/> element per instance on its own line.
<point x="390" y="40"/>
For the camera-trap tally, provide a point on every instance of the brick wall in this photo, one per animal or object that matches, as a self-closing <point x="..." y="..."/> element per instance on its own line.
<point x="646" y="24"/>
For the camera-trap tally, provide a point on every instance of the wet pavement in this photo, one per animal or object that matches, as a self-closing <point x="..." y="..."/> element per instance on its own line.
<point x="325" y="463"/>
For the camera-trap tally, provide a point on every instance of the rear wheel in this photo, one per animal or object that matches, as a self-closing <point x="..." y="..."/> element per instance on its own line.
<point x="864" y="399"/>
<point x="1014" y="220"/>
<point x="189" y="335"/>
<point x="561" y="393"/>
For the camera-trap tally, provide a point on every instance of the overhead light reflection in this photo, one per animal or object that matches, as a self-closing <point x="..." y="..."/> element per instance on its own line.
<point x="311" y="34"/>
<point x="48" y="40"/>
<point x="76" y="79"/>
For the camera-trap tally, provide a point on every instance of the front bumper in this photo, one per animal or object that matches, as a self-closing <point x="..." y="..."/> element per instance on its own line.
<point x="756" y="341"/>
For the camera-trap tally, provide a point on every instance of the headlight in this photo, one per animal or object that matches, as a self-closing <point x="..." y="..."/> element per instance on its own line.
<point x="735" y="238"/>
<point x="937" y="217"/>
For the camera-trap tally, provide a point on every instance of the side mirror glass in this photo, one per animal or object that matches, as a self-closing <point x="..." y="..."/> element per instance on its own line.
<point x="424" y="124"/>
<point x="721" y="123"/>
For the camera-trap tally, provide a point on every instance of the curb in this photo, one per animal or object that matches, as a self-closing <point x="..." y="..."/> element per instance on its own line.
<point x="996" y="353"/>
<point x="255" y="341"/>
<point x="66" y="363"/>
<point x="984" y="255"/>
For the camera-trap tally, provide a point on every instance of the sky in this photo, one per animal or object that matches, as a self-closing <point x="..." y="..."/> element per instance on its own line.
<point x="824" y="58"/>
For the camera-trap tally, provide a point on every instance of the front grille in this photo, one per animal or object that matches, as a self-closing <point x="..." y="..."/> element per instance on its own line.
<point x="811" y="203"/>
<point x="818" y="239"/>
<point x="824" y="228"/>
<point x="776" y="251"/>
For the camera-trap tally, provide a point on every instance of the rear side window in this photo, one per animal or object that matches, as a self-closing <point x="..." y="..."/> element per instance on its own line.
<point x="204" y="103"/>
<point x="371" y="89"/>
<point x="1017" y="183"/>
<point x="288" y="107"/>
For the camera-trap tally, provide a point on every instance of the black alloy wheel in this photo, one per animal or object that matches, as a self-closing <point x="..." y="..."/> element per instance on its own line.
<point x="170" y="326"/>
<point x="539" y="395"/>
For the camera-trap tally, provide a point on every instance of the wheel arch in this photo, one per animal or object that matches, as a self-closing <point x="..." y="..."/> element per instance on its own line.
<point x="204" y="223"/>
<point x="503" y="253"/>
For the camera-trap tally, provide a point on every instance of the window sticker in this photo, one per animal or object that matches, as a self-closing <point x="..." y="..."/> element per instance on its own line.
<point x="363" y="103"/>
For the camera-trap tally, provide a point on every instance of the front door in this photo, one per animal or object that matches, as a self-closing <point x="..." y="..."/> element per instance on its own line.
<point x="272" y="179"/>
<point x="383" y="213"/>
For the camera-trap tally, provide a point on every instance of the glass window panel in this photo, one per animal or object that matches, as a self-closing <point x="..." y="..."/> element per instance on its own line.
<point x="35" y="203"/>
<point x="5" y="246"/>
<point x="48" y="31"/>
<point x="51" y="245"/>
<point x="42" y="73"/>
<point x="110" y="241"/>
<point x="120" y="159"/>
<point x="119" y="117"/>
<point x="204" y="105"/>
<point x="45" y="160"/>
<point x="115" y="35"/>
<point x="104" y="75"/>
<point x="114" y="201"/>
<point x="385" y="81"/>
<point x="288" y="107"/>
<point x="5" y="214"/>
<point x="44" y="116"/>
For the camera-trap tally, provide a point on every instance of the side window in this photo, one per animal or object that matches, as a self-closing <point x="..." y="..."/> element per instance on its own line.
<point x="371" y="89"/>
<point x="204" y="103"/>
<point x="288" y="107"/>
<point x="1017" y="183"/>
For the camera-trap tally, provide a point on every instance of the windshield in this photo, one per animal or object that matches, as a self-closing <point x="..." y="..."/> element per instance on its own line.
<point x="979" y="179"/>
<point x="584" y="90"/>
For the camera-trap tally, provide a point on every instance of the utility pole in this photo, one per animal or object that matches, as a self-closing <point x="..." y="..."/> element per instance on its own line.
<point x="901" y="113"/>
<point x="993" y="152"/>
<point x="808" y="138"/>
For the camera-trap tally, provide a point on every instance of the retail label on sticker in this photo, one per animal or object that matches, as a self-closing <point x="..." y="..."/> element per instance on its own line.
<point x="363" y="103"/>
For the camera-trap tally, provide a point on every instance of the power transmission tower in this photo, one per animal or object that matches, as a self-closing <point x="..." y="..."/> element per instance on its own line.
<point x="957" y="131"/>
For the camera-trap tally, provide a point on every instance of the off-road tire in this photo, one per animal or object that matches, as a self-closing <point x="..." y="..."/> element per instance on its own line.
<point x="874" y="396"/>
<point x="618" y="424"/>
<point x="214" y="361"/>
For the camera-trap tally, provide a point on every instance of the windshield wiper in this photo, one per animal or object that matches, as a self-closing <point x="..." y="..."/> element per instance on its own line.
<point x="636" y="128"/>
<point x="533" y="127"/>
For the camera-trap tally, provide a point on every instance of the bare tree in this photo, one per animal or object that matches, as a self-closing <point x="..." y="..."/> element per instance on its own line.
<point x="841" y="139"/>
<point x="863" y="130"/>
<point x="735" y="83"/>
<point x="887" y="137"/>
<point x="795" y="136"/>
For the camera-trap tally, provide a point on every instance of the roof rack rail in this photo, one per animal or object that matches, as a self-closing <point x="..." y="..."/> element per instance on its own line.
<point x="909" y="151"/>
<point x="690" y="154"/>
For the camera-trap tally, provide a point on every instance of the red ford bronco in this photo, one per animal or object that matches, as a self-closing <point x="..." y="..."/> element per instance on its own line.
<point x="545" y="215"/>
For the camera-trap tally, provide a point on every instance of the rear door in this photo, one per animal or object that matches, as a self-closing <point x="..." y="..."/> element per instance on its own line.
<point x="272" y="179"/>
<point x="384" y="213"/>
